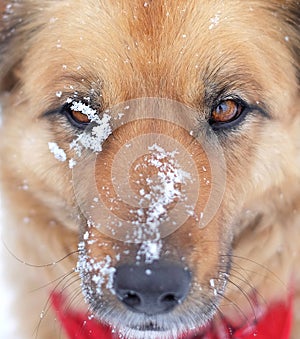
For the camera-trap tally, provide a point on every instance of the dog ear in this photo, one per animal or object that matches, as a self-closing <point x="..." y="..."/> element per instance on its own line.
<point x="7" y="56"/>
<point x="12" y="41"/>
<point x="291" y="13"/>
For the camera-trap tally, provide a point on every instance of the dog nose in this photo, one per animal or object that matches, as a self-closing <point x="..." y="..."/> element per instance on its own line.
<point x="152" y="289"/>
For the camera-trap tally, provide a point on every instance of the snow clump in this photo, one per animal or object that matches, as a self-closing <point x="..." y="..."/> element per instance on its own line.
<point x="91" y="138"/>
<point x="59" y="153"/>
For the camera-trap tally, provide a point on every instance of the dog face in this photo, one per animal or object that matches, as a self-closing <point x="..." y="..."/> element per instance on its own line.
<point x="218" y="79"/>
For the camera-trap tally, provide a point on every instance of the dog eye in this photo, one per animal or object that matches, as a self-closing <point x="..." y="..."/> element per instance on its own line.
<point x="226" y="111"/>
<point x="80" y="117"/>
<point x="77" y="118"/>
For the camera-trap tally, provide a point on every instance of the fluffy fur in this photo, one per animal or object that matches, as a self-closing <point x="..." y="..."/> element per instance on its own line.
<point x="189" y="51"/>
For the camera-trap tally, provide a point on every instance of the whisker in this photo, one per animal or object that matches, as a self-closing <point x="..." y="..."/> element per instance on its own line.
<point x="60" y="279"/>
<point x="248" y="283"/>
<point x="234" y="305"/>
<point x="246" y="297"/>
<point x="47" y="304"/>
<point x="75" y="294"/>
<point x="265" y="268"/>
<point x="38" y="266"/>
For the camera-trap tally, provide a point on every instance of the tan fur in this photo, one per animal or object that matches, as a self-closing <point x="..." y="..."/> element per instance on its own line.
<point x="166" y="49"/>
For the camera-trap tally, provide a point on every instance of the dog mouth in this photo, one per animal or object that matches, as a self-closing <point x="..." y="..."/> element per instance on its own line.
<point x="152" y="330"/>
<point x="153" y="327"/>
<point x="150" y="326"/>
<point x="163" y="326"/>
<point x="148" y="331"/>
<point x="144" y="326"/>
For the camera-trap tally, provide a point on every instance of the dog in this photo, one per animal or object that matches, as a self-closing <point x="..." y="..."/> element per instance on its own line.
<point x="150" y="159"/>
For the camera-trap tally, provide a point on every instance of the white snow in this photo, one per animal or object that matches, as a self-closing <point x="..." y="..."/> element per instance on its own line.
<point x="214" y="21"/>
<point x="91" y="138"/>
<point x="96" y="137"/>
<point x="150" y="249"/>
<point x="7" y="322"/>
<point x="24" y="186"/>
<point x="162" y="191"/>
<point x="72" y="163"/>
<point x="59" y="153"/>
<point x="99" y="272"/>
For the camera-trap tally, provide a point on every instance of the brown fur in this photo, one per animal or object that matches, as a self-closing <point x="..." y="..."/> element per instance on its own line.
<point x="126" y="50"/>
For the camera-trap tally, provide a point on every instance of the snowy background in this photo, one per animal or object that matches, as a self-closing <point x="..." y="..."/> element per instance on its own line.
<point x="6" y="320"/>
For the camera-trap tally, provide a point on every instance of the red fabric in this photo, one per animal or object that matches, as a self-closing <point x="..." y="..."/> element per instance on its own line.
<point x="77" y="325"/>
<point x="274" y="324"/>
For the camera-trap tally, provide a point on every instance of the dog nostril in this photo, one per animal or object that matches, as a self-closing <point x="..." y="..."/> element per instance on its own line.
<point x="169" y="298"/>
<point x="131" y="299"/>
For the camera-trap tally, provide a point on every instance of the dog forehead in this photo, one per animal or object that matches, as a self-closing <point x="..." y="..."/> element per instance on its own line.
<point x="175" y="49"/>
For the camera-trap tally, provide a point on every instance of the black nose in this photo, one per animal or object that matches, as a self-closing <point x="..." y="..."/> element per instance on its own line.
<point x="152" y="289"/>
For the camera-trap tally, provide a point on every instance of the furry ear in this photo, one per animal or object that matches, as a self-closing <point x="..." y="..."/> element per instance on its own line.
<point x="14" y="17"/>
<point x="8" y="57"/>
<point x="290" y="12"/>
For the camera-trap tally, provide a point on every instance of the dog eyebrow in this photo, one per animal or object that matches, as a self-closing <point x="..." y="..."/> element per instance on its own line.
<point x="221" y="83"/>
<point x="89" y="95"/>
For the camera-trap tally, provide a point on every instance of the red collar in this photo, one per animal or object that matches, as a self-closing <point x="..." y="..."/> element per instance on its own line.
<point x="274" y="324"/>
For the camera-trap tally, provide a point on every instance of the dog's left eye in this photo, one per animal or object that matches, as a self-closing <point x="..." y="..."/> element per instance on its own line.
<point x="226" y="111"/>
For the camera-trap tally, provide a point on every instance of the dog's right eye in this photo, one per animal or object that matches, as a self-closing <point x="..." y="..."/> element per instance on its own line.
<point x="76" y="118"/>
<point x="228" y="113"/>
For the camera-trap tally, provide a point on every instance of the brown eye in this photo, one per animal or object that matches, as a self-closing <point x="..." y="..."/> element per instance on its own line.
<point x="76" y="117"/>
<point x="226" y="111"/>
<point x="79" y="117"/>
